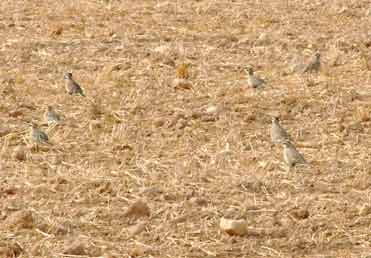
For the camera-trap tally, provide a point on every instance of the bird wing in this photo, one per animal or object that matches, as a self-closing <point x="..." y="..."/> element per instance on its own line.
<point x="43" y="137"/>
<point x="53" y="117"/>
<point x="256" y="81"/>
<point x="310" y="66"/>
<point x="260" y="80"/>
<point x="79" y="89"/>
<point x="298" y="157"/>
<point x="279" y="134"/>
<point x="307" y="68"/>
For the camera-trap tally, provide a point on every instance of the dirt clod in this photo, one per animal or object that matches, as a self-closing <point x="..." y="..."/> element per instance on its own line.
<point x="138" y="209"/>
<point x="75" y="247"/>
<point x="22" y="219"/>
<point x="10" y="249"/>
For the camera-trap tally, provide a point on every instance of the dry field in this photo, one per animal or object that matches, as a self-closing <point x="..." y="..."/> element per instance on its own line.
<point x="187" y="155"/>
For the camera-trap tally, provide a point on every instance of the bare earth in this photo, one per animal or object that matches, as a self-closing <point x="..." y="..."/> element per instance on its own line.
<point x="146" y="167"/>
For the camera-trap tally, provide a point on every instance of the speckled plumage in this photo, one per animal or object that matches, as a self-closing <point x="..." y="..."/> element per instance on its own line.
<point x="291" y="156"/>
<point x="37" y="135"/>
<point x="72" y="87"/>
<point x="278" y="134"/>
<point x="253" y="80"/>
<point x="52" y="116"/>
<point x="313" y="65"/>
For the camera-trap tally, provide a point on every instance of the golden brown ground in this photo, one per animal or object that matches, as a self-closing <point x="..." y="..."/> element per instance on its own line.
<point x="138" y="137"/>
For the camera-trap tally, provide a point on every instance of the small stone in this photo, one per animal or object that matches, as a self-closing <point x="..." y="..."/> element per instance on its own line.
<point x="140" y="250"/>
<point x="233" y="227"/>
<point x="159" y="122"/>
<point x="182" y="84"/>
<point x="10" y="191"/>
<point x="19" y="153"/>
<point x="263" y="38"/>
<point x="74" y="248"/>
<point x="198" y="201"/>
<point x="300" y="214"/>
<point x="138" y="209"/>
<point x="365" y="210"/>
<point x="211" y="109"/>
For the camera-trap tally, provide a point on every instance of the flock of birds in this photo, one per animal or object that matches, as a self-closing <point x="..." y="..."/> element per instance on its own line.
<point x="51" y="116"/>
<point x="279" y="135"/>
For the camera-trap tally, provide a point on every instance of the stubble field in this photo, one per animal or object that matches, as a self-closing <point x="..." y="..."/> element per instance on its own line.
<point x="145" y="167"/>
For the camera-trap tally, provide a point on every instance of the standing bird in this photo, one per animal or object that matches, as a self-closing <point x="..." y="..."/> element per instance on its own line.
<point x="278" y="134"/>
<point x="314" y="64"/>
<point x="253" y="80"/>
<point x="51" y="116"/>
<point x="291" y="156"/>
<point x="72" y="87"/>
<point x="37" y="135"/>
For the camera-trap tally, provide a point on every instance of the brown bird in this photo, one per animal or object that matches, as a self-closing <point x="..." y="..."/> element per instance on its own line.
<point x="314" y="64"/>
<point x="253" y="80"/>
<point x="51" y="116"/>
<point x="291" y="156"/>
<point x="37" y="135"/>
<point x="278" y="134"/>
<point x="72" y="87"/>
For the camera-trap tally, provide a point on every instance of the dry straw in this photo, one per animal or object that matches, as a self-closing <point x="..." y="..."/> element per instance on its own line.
<point x="193" y="154"/>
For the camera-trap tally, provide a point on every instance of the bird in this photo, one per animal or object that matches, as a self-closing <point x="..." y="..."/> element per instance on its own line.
<point x="291" y="156"/>
<point x="72" y="86"/>
<point x="51" y="116"/>
<point x="37" y="135"/>
<point x="278" y="133"/>
<point x="314" y="64"/>
<point x="253" y="80"/>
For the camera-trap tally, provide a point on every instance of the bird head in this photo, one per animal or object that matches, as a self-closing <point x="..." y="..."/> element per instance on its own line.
<point x="68" y="76"/>
<point x="275" y="119"/>
<point x="287" y="143"/>
<point x="249" y="70"/>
